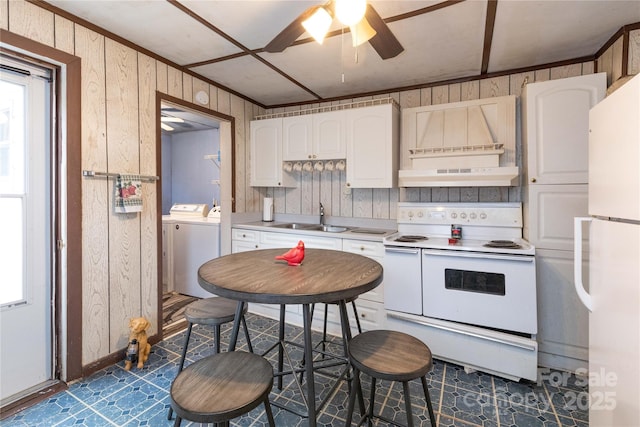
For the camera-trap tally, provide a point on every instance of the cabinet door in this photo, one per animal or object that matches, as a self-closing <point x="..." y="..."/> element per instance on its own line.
<point x="373" y="250"/>
<point x="556" y="127"/>
<point x="297" y="138"/>
<point x="329" y="140"/>
<point x="372" y="147"/>
<point x="551" y="209"/>
<point x="563" y="322"/>
<point x="266" y="155"/>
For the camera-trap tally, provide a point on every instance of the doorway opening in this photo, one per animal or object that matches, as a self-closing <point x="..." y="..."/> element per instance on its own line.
<point x="196" y="168"/>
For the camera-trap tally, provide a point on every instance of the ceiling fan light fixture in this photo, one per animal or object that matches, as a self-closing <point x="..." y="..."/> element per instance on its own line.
<point x="350" y="12"/>
<point x="362" y="32"/>
<point x="165" y="126"/>
<point x="318" y="24"/>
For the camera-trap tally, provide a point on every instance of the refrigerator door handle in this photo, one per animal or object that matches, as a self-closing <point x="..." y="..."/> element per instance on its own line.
<point x="584" y="296"/>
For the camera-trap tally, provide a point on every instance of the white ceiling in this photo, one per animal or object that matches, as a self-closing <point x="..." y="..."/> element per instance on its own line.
<point x="443" y="44"/>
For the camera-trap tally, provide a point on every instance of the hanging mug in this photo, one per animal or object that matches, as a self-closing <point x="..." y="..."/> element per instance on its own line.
<point x="328" y="166"/>
<point x="319" y="166"/>
<point x="297" y="166"/>
<point x="287" y="166"/>
<point x="307" y="167"/>
<point x="341" y="165"/>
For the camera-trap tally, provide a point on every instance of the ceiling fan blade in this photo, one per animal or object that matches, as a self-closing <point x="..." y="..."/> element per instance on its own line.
<point x="290" y="34"/>
<point x="384" y="42"/>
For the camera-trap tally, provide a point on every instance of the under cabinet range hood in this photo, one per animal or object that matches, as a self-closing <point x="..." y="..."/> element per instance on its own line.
<point x="462" y="144"/>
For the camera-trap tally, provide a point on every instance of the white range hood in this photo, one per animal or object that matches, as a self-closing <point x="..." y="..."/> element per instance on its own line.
<point x="503" y="176"/>
<point x="462" y="144"/>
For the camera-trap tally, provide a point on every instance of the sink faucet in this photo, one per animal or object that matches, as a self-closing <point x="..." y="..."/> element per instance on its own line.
<point x="321" y="214"/>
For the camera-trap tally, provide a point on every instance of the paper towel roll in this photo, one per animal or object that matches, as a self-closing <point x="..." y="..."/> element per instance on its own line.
<point x="267" y="209"/>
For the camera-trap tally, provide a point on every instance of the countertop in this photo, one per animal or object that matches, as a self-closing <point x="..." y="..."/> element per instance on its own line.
<point x="356" y="233"/>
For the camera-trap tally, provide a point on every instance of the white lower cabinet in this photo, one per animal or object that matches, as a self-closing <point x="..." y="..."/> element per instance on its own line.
<point x="563" y="321"/>
<point x="248" y="239"/>
<point x="369" y="305"/>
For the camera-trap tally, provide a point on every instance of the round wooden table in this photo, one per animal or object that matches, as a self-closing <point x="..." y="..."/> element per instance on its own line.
<point x="324" y="276"/>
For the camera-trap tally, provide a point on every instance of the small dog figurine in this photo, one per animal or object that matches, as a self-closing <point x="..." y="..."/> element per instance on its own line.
<point x="138" y="327"/>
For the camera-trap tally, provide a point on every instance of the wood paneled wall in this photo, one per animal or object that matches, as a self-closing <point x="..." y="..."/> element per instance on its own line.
<point x="119" y="84"/>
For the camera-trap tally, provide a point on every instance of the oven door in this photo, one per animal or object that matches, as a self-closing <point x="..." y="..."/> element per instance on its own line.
<point x="496" y="291"/>
<point x="402" y="279"/>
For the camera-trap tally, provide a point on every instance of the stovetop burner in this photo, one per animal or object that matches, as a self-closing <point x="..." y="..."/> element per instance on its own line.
<point x="504" y="244"/>
<point x="411" y="238"/>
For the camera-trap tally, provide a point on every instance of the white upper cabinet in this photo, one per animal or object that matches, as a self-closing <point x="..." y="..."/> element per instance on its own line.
<point x="297" y="136"/>
<point x="556" y="127"/>
<point x="329" y="135"/>
<point x="372" y="146"/>
<point x="314" y="136"/>
<point x="266" y="155"/>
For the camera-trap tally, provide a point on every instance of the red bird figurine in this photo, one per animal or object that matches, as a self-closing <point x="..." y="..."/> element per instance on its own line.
<point x="294" y="256"/>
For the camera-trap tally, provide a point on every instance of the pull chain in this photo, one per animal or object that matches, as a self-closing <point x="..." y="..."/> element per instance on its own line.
<point x="342" y="54"/>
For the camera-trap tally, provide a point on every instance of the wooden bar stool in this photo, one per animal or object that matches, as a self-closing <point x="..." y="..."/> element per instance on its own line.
<point x="215" y="312"/>
<point x="326" y="312"/>
<point x="392" y="356"/>
<point x="324" y="340"/>
<point x="223" y="386"/>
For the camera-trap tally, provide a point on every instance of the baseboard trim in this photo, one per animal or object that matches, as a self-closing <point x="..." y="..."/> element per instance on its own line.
<point x="49" y="389"/>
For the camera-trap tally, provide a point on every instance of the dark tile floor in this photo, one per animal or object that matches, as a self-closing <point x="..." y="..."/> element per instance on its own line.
<point x="115" y="397"/>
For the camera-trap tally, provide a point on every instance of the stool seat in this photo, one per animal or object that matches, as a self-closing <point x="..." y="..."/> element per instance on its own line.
<point x="390" y="355"/>
<point x="222" y="386"/>
<point x="215" y="312"/>
<point x="212" y="311"/>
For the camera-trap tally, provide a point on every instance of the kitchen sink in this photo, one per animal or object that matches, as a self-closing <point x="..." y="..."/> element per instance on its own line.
<point x="295" y="226"/>
<point x="313" y="227"/>
<point x="328" y="228"/>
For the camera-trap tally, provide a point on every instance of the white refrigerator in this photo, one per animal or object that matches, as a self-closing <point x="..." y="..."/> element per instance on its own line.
<point x="613" y="297"/>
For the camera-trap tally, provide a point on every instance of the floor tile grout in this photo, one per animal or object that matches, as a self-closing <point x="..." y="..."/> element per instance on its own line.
<point x="116" y="397"/>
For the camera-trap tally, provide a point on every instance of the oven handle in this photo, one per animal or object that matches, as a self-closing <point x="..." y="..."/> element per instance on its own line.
<point x="401" y="250"/>
<point x="460" y="254"/>
<point x="458" y="331"/>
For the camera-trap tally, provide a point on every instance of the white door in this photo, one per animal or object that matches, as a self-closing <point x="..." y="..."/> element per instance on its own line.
<point x="26" y="248"/>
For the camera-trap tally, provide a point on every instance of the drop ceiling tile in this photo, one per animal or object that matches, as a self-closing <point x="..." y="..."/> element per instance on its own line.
<point x="436" y="48"/>
<point x="248" y="76"/>
<point x="252" y="23"/>
<point x="155" y="25"/>
<point x="529" y="33"/>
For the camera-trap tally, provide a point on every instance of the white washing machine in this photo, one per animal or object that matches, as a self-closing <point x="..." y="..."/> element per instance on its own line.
<point x="194" y="241"/>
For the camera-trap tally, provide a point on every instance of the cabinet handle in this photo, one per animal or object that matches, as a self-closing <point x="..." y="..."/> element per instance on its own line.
<point x="314" y="156"/>
<point x="256" y="246"/>
<point x="309" y="156"/>
<point x="362" y="248"/>
<point x="244" y="235"/>
<point x="279" y="184"/>
<point x="533" y="180"/>
<point x="348" y="184"/>
<point x="177" y="227"/>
